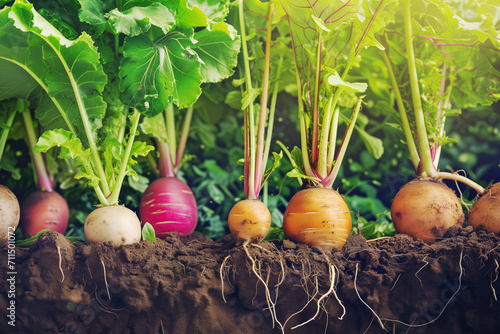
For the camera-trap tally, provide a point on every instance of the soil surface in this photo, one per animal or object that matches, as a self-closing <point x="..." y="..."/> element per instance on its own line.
<point x="174" y="286"/>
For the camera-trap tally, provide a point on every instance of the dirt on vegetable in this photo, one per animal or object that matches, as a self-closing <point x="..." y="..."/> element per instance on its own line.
<point x="175" y="286"/>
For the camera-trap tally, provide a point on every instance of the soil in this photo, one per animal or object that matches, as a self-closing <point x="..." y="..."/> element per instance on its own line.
<point x="174" y="286"/>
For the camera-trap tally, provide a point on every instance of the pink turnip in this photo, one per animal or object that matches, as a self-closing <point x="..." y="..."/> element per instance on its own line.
<point x="169" y="206"/>
<point x="44" y="210"/>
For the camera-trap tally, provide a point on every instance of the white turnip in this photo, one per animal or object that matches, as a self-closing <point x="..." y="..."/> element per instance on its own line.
<point x="43" y="210"/>
<point x="169" y="206"/>
<point x="116" y="224"/>
<point x="425" y="208"/>
<point x="9" y="212"/>
<point x="486" y="210"/>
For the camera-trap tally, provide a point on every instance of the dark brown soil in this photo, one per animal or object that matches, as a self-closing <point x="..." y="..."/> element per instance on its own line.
<point x="174" y="286"/>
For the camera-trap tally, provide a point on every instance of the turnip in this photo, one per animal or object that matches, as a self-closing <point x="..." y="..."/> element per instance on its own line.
<point x="250" y="220"/>
<point x="44" y="208"/>
<point x="169" y="205"/>
<point x="116" y="224"/>
<point x="439" y="74"/>
<point x="328" y="38"/>
<point x="9" y="213"/>
<point x="485" y="211"/>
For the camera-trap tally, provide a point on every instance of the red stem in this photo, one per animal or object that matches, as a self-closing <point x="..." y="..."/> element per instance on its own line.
<point x="165" y="161"/>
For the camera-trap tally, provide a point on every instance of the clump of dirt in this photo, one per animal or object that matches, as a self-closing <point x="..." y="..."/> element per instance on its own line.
<point x="174" y="286"/>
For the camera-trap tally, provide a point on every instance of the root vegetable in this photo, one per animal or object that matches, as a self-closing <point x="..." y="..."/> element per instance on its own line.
<point x="485" y="212"/>
<point x="44" y="210"/>
<point x="249" y="221"/>
<point x="9" y="212"/>
<point x="113" y="223"/>
<point x="169" y="206"/>
<point x="425" y="208"/>
<point x="318" y="217"/>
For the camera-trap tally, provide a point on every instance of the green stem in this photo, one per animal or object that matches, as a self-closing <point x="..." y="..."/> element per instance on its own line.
<point x="121" y="134"/>
<point x="259" y="167"/>
<point x="333" y="138"/>
<point x="113" y="199"/>
<point x="272" y="111"/>
<point x="251" y="114"/>
<point x="289" y="155"/>
<point x="165" y="165"/>
<point x="446" y="104"/>
<point x="265" y="193"/>
<point x="102" y="199"/>
<point x="323" y="146"/>
<point x="170" y="120"/>
<point x="183" y="139"/>
<point x="330" y="179"/>
<point x="402" y="112"/>
<point x="8" y="126"/>
<point x="315" y="113"/>
<point x="463" y="179"/>
<point x="426" y="166"/>
<point x="43" y="180"/>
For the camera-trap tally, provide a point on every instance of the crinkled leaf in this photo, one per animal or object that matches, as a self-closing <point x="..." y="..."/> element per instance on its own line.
<point x="298" y="174"/>
<point x="218" y="48"/>
<point x="71" y="148"/>
<point x="156" y="73"/>
<point x="138" y="20"/>
<point x="93" y="11"/>
<point x="148" y="233"/>
<point x="155" y="126"/>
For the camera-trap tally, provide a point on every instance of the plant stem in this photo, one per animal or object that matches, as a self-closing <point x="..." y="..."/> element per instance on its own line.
<point x="427" y="167"/>
<point x="446" y="104"/>
<point x="333" y="138"/>
<point x="43" y="180"/>
<point x="8" y="126"/>
<point x="251" y="116"/>
<point x="272" y="110"/>
<point x="323" y="146"/>
<point x="402" y="112"/>
<point x="246" y="168"/>
<point x="153" y="165"/>
<point x="463" y="179"/>
<point x="165" y="165"/>
<point x="170" y="120"/>
<point x="330" y="179"/>
<point x="289" y="155"/>
<point x="121" y="134"/>
<point x="315" y="113"/>
<point x="113" y="199"/>
<point x="183" y="139"/>
<point x="259" y="168"/>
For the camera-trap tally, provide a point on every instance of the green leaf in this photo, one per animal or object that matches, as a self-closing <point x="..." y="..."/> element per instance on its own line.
<point x="29" y="47"/>
<point x="276" y="161"/>
<point x="156" y="73"/>
<point x="218" y="48"/>
<point x="93" y="11"/>
<point x="298" y="174"/>
<point x="148" y="233"/>
<point x="374" y="145"/>
<point x="138" y="20"/>
<point x="155" y="126"/>
<point x="336" y="81"/>
<point x="71" y="148"/>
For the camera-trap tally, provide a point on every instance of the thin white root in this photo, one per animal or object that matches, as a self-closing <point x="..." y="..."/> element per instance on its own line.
<point x="394" y="285"/>
<point x="105" y="280"/>
<point x="60" y="262"/>
<point x="270" y="304"/>
<point x="460" y="191"/>
<point x="335" y="293"/>
<point x="222" y="277"/>
<point x="357" y="292"/>
<point x="161" y="325"/>
<point x="316" y="290"/>
<point x="378" y="239"/>
<point x="416" y="274"/>
<point x="494" y="280"/>
<point x="404" y="323"/>
<point x="329" y="292"/>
